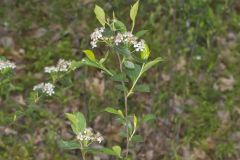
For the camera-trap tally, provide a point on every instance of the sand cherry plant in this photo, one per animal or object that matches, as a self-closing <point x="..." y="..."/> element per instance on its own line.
<point x="131" y="53"/>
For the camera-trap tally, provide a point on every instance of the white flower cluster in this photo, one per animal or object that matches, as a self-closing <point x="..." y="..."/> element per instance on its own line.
<point x="89" y="136"/>
<point x="47" y="88"/>
<point x="6" y="64"/>
<point x="131" y="39"/>
<point x="96" y="35"/>
<point x="126" y="37"/>
<point x="62" y="66"/>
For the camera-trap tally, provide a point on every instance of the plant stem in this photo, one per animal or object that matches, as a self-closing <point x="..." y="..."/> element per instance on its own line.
<point x="125" y="104"/>
<point x="82" y="151"/>
<point x="126" y="114"/>
<point x="135" y="82"/>
<point x="83" y="155"/>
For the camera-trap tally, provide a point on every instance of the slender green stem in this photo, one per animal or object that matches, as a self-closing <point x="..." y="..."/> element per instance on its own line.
<point x="133" y="26"/>
<point x="107" y="71"/>
<point x="135" y="82"/>
<point x="82" y="152"/>
<point x="125" y="103"/>
<point x="83" y="155"/>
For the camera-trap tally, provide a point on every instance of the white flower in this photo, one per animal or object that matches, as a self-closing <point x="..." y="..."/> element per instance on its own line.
<point x="129" y="38"/>
<point x="62" y="66"/>
<point x="50" y="69"/>
<point x="89" y="136"/>
<point x="6" y="64"/>
<point x="139" y="46"/>
<point x="96" y="35"/>
<point x="118" y="39"/>
<point x="47" y="88"/>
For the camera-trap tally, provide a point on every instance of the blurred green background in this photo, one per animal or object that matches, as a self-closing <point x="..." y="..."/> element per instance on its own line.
<point x="195" y="92"/>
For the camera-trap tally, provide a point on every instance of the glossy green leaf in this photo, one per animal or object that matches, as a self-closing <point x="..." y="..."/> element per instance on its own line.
<point x="90" y="55"/>
<point x="100" y="14"/>
<point x="133" y="11"/>
<point x="145" y="53"/>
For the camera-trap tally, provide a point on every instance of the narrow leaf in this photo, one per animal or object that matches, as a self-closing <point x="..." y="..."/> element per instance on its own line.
<point x="152" y="63"/>
<point x="90" y="55"/>
<point x="141" y="33"/>
<point x="100" y="14"/>
<point x="114" y="111"/>
<point x="149" y="117"/>
<point x="133" y="11"/>
<point x="69" y="144"/>
<point x="145" y="53"/>
<point x="103" y="150"/>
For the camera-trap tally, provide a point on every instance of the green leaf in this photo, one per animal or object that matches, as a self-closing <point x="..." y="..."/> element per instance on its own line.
<point x="148" y="117"/>
<point x="76" y="64"/>
<point x="69" y="144"/>
<point x="141" y="33"/>
<point x="150" y="64"/>
<point x="145" y="53"/>
<point x="90" y="55"/>
<point x="117" y="150"/>
<point x="121" y="77"/>
<point x="122" y="50"/>
<point x="133" y="73"/>
<point x="142" y="88"/>
<point x="120" y="87"/>
<point x="133" y="11"/>
<point x="78" y="122"/>
<point x="137" y="138"/>
<point x="129" y="64"/>
<point x="120" y="26"/>
<point x="100" y="14"/>
<point x="88" y="62"/>
<point x="114" y="111"/>
<point x="103" y="150"/>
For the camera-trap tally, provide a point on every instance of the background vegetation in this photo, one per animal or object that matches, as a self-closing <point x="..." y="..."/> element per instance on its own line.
<point x="194" y="92"/>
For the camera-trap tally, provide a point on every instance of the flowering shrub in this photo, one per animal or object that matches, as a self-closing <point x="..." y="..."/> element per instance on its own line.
<point x="132" y="54"/>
